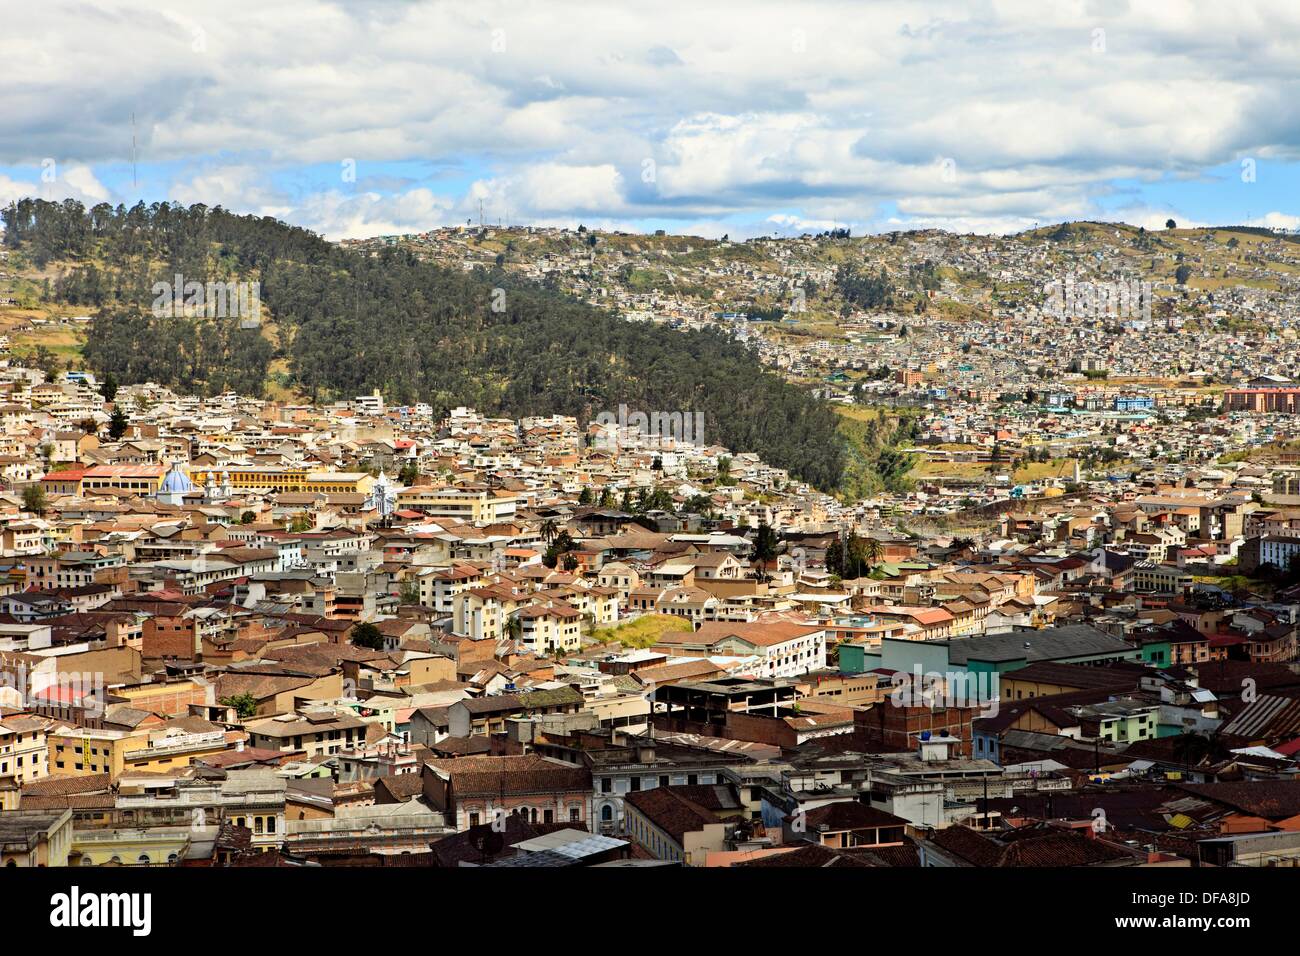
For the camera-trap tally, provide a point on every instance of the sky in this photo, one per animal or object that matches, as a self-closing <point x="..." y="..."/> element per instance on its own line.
<point x="358" y="118"/>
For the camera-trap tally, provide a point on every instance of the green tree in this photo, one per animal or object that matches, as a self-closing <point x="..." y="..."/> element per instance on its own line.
<point x="108" y="387"/>
<point x="561" y="545"/>
<point x="45" y="360"/>
<point x="118" y="424"/>
<point x="368" y="635"/>
<point x="698" y="504"/>
<point x="245" y="704"/>
<point x="861" y="555"/>
<point x="724" y="471"/>
<point x="872" y="553"/>
<point x="34" y="500"/>
<point x="835" y="557"/>
<point x="764" y="550"/>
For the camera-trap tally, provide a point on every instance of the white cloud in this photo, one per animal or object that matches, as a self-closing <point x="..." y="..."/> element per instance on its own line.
<point x="337" y="215"/>
<point x="56" y="182"/>
<point x="836" y="110"/>
<point x="1277" y="220"/>
<point x="237" y="187"/>
<point x="550" y="188"/>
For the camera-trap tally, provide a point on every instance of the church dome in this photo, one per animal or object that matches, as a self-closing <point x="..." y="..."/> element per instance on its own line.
<point x="176" y="482"/>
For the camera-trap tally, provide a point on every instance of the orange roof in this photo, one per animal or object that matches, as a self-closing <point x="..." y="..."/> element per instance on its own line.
<point x="71" y="474"/>
<point x="921" y="615"/>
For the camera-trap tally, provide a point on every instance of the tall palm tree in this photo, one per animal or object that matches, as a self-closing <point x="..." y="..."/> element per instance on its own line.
<point x="549" y="530"/>
<point x="872" y="553"/>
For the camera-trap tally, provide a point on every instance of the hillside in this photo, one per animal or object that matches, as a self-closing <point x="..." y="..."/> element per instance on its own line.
<point x="340" y="322"/>
<point x="812" y="285"/>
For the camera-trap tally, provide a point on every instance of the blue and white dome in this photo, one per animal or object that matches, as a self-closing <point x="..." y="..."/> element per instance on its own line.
<point x="176" y="482"/>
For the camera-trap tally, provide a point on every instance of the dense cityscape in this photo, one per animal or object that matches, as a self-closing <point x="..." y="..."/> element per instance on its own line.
<point x="854" y="439"/>
<point x="1062" y="632"/>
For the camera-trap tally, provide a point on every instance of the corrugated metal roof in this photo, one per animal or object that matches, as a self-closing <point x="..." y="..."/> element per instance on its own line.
<point x="1267" y="716"/>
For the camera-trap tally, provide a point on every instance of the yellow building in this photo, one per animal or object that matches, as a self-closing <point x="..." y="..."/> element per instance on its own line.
<point x="246" y="477"/>
<point x="81" y="752"/>
<point x="339" y="482"/>
<point x="139" y="479"/>
<point x="172" y="751"/>
<point x="547" y="628"/>
<point x="279" y="478"/>
<point x="471" y="504"/>
<point x="23" y="749"/>
<point x="133" y="846"/>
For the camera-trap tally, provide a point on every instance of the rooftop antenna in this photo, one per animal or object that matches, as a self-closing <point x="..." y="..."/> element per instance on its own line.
<point x="480" y="213"/>
<point x="134" y="182"/>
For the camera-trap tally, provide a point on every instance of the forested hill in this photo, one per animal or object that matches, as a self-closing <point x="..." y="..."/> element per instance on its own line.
<point x="345" y="323"/>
